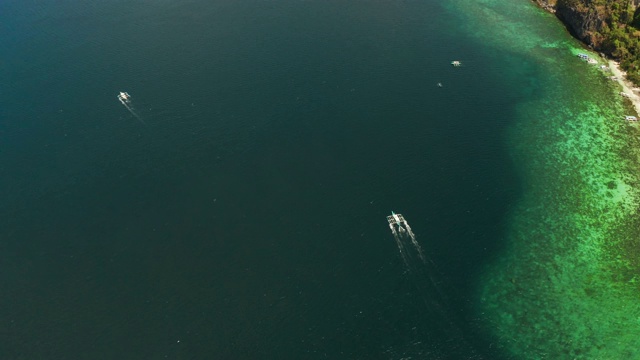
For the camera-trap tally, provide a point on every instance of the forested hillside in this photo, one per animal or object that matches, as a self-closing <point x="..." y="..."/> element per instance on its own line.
<point x="608" y="26"/>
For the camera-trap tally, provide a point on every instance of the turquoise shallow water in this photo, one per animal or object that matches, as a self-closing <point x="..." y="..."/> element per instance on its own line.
<point x="245" y="218"/>
<point x="566" y="285"/>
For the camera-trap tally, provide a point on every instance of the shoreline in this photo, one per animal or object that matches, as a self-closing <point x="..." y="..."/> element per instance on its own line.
<point x="627" y="86"/>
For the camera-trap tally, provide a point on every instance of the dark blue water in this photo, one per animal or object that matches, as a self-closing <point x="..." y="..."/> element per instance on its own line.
<point x="245" y="218"/>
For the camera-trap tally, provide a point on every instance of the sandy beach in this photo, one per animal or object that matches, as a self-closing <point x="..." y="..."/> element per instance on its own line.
<point x="627" y="86"/>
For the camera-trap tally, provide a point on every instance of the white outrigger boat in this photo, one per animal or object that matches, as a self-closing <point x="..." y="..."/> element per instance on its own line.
<point x="124" y="97"/>
<point x="397" y="222"/>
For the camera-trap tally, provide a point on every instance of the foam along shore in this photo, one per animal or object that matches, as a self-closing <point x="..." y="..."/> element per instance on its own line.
<point x="627" y="87"/>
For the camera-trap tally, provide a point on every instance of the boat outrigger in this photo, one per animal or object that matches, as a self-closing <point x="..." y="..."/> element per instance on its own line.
<point x="397" y="222"/>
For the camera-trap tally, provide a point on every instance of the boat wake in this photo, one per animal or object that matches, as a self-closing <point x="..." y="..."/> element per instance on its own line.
<point x="428" y="286"/>
<point x="125" y="99"/>
<point x="405" y="238"/>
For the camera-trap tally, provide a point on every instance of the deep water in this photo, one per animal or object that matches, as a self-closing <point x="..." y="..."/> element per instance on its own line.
<point x="245" y="216"/>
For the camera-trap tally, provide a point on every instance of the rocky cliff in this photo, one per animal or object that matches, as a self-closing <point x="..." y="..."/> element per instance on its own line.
<point x="611" y="27"/>
<point x="585" y="22"/>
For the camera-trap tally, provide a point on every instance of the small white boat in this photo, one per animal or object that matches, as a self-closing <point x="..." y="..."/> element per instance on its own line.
<point x="456" y="63"/>
<point x="397" y="223"/>
<point x="124" y="97"/>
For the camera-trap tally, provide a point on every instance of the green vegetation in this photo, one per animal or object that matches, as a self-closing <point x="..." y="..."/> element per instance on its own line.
<point x="610" y="26"/>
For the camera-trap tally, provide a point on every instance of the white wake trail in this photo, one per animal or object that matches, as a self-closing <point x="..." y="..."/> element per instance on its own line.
<point x="401" y="249"/>
<point x="428" y="284"/>
<point x="130" y="108"/>
<point x="415" y="243"/>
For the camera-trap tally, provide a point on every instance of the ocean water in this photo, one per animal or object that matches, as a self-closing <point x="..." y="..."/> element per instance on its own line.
<point x="566" y="285"/>
<point x="240" y="211"/>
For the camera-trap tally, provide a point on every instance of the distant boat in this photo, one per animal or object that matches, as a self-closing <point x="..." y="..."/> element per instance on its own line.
<point x="395" y="218"/>
<point x="124" y="97"/>
<point x="439" y="84"/>
<point x="456" y="63"/>
<point x="586" y="58"/>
